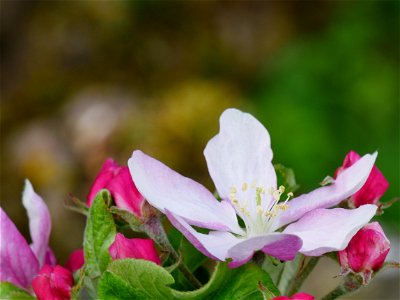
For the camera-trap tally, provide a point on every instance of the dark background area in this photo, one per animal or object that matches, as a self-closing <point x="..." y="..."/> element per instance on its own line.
<point x="85" y="80"/>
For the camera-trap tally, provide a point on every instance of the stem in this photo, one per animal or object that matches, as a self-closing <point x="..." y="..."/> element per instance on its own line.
<point x="298" y="281"/>
<point x="350" y="284"/>
<point x="336" y="293"/>
<point x="155" y="230"/>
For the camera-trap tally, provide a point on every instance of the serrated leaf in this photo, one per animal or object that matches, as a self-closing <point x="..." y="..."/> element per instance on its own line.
<point x="140" y="279"/>
<point x="11" y="292"/>
<point x="100" y="232"/>
<point x="113" y="287"/>
<point x="136" y="276"/>
<point x="244" y="284"/>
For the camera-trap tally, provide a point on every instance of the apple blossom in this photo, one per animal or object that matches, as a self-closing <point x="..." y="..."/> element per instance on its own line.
<point x="366" y="251"/>
<point x="53" y="283"/>
<point x="372" y="190"/>
<point x="118" y="181"/>
<point x="239" y="162"/>
<point x="133" y="248"/>
<point x="20" y="262"/>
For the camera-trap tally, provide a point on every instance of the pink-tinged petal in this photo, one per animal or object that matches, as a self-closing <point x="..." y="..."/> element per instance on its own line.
<point x="240" y="154"/>
<point x="325" y="230"/>
<point x="125" y="193"/>
<point x="107" y="172"/>
<point x="39" y="221"/>
<point x="133" y="248"/>
<point x="279" y="245"/>
<point x="298" y="296"/>
<point x="50" y="258"/>
<point x="75" y="260"/>
<point x="373" y="189"/>
<point x="18" y="264"/>
<point x="214" y="244"/>
<point x="366" y="251"/>
<point x="166" y="189"/>
<point x="346" y="184"/>
<point x="53" y="283"/>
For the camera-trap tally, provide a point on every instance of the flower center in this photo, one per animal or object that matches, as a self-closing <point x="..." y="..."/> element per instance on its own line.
<point x="264" y="207"/>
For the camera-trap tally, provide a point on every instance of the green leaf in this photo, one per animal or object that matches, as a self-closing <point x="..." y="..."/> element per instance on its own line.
<point x="135" y="277"/>
<point x="100" y="233"/>
<point x="10" y="291"/>
<point x="244" y="283"/>
<point x="140" y="279"/>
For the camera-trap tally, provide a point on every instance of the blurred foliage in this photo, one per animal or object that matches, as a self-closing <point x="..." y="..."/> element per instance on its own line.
<point x="84" y="80"/>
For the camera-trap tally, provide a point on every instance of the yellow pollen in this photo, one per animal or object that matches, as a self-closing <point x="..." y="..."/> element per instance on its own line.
<point x="290" y="195"/>
<point x="233" y="190"/>
<point x="281" y="189"/>
<point x="244" y="187"/>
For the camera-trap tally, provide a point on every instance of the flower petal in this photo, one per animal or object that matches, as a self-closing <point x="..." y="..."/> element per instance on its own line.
<point x="325" y="230"/>
<point x="240" y="154"/>
<point x="214" y="245"/>
<point x="53" y="283"/>
<point x="18" y="264"/>
<point x="75" y="260"/>
<point x="39" y="221"/>
<point x="279" y="245"/>
<point x="133" y="248"/>
<point x="346" y="184"/>
<point x="107" y="173"/>
<point x="166" y="189"/>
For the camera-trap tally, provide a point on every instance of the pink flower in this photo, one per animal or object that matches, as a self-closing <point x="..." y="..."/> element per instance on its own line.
<point x="118" y="181"/>
<point x="366" y="251"/>
<point x="75" y="260"/>
<point x="53" y="283"/>
<point x="298" y="296"/>
<point x="20" y="262"/>
<point x="373" y="189"/>
<point x="239" y="160"/>
<point x="133" y="248"/>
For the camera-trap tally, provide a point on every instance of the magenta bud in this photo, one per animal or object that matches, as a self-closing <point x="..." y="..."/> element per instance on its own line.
<point x="133" y="248"/>
<point x="372" y="190"/>
<point x="298" y="296"/>
<point x="75" y="260"/>
<point x="53" y="283"/>
<point x="366" y="251"/>
<point x="117" y="179"/>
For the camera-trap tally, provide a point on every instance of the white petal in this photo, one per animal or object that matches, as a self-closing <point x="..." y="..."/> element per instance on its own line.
<point x="166" y="189"/>
<point x="325" y="230"/>
<point x="280" y="245"/>
<point x="240" y="153"/>
<point x="214" y="245"/>
<point x="346" y="184"/>
<point x="39" y="221"/>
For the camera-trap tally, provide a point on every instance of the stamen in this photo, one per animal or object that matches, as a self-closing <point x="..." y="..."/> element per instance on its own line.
<point x="244" y="187"/>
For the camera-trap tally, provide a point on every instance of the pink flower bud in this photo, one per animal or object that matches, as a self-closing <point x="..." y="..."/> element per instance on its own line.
<point x="298" y="296"/>
<point x="75" y="260"/>
<point x="53" y="283"/>
<point x="372" y="190"/>
<point x="133" y="248"/>
<point x="117" y="179"/>
<point x="366" y="251"/>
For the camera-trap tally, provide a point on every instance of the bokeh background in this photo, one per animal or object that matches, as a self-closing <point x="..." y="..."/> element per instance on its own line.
<point x="85" y="80"/>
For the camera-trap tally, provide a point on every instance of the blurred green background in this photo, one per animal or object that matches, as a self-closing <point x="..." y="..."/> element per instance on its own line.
<point x="85" y="80"/>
